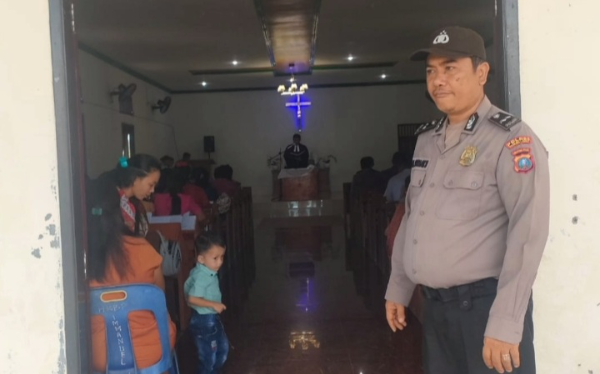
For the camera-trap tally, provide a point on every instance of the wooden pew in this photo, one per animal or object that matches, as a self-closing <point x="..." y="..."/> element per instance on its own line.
<point x="238" y="272"/>
<point x="369" y="216"/>
<point x="248" y="236"/>
<point x="178" y="307"/>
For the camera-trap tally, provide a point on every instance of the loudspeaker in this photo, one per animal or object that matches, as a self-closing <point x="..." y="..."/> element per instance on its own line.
<point x="209" y="144"/>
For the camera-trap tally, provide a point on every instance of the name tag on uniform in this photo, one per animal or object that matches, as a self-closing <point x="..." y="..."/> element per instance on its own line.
<point x="420" y="163"/>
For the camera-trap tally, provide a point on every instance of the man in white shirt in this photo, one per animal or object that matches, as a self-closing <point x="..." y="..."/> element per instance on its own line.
<point x="395" y="190"/>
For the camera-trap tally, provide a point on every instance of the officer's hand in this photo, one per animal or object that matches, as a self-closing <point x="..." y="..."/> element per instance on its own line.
<point x="500" y="355"/>
<point x="395" y="314"/>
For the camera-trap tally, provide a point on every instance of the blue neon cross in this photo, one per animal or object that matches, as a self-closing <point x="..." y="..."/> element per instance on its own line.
<point x="298" y="104"/>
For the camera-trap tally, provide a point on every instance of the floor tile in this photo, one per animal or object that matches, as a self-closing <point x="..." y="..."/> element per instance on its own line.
<point x="305" y="283"/>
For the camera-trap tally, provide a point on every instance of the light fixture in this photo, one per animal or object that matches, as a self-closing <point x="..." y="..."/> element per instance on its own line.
<point x="350" y="58"/>
<point x="293" y="88"/>
<point x="383" y="76"/>
<point x="235" y="62"/>
<point x="204" y="84"/>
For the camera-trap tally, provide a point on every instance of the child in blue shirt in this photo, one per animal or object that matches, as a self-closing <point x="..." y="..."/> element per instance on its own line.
<point x="204" y="297"/>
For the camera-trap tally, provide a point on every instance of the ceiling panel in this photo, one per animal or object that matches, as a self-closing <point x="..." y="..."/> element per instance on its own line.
<point x="165" y="40"/>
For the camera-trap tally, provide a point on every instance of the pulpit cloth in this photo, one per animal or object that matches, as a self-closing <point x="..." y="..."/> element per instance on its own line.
<point x="296" y="173"/>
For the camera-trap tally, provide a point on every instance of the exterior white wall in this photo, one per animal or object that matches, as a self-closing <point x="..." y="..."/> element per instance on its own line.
<point x="31" y="287"/>
<point x="559" y="88"/>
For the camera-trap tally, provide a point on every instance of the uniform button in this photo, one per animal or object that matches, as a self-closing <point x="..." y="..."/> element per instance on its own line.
<point x="422" y="213"/>
<point x="414" y="271"/>
<point x="415" y="241"/>
<point x="474" y="184"/>
<point x="450" y="182"/>
<point x="432" y="185"/>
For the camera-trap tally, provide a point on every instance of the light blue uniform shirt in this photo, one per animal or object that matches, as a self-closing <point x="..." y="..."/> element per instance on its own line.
<point x="395" y="188"/>
<point x="203" y="283"/>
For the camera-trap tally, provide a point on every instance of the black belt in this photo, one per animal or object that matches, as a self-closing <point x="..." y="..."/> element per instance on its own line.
<point x="463" y="293"/>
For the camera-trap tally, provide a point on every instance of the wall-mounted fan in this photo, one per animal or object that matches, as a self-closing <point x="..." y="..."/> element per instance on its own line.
<point x="125" y="95"/>
<point x="123" y="91"/>
<point x="162" y="105"/>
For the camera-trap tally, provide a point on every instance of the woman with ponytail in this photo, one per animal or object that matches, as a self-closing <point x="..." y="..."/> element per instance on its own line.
<point x="119" y="254"/>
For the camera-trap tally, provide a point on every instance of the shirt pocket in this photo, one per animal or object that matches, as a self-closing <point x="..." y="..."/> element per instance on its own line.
<point x="460" y="198"/>
<point x="417" y="178"/>
<point x="415" y="188"/>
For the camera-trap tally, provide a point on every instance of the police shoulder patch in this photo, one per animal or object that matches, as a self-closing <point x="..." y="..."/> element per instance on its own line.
<point x="435" y="124"/>
<point x="504" y="120"/>
<point x="426" y="127"/>
<point x="523" y="159"/>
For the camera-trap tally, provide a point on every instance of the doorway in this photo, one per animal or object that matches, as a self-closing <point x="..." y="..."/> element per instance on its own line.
<point x="72" y="149"/>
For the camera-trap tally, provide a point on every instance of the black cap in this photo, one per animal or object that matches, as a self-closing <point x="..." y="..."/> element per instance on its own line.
<point x="453" y="41"/>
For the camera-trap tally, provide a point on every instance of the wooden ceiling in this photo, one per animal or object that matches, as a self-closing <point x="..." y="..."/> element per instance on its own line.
<point x="178" y="44"/>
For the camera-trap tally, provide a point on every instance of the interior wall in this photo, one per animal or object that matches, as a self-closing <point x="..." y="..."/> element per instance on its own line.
<point x="102" y="120"/>
<point x="32" y="318"/>
<point x="348" y="123"/>
<point x="560" y="101"/>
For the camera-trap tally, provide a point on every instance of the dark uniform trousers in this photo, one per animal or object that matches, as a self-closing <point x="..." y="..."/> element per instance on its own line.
<point x="454" y="322"/>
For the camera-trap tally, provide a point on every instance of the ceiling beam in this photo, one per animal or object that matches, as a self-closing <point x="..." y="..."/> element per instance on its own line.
<point x="312" y="86"/>
<point x="290" y="31"/>
<point x="368" y="65"/>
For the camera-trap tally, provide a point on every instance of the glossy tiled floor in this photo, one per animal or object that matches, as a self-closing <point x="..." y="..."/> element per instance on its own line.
<point x="308" y="286"/>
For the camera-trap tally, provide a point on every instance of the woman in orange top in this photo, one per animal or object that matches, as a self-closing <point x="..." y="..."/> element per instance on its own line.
<point x="119" y="254"/>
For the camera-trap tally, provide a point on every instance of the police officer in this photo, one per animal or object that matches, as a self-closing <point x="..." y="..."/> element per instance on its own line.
<point x="476" y="223"/>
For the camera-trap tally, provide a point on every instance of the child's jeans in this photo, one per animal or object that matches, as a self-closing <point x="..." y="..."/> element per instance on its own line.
<point x="211" y="342"/>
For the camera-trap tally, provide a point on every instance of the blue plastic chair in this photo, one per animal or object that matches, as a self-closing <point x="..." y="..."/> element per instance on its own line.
<point x="120" y="358"/>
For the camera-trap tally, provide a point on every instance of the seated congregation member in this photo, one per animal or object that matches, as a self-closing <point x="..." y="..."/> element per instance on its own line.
<point x="389" y="173"/>
<point x="170" y="201"/>
<point x="296" y="154"/>
<point x="199" y="189"/>
<point x="395" y="189"/>
<point x="224" y="183"/>
<point x="118" y="253"/>
<point x="167" y="162"/>
<point x="185" y="160"/>
<point x="134" y="179"/>
<point x="367" y="179"/>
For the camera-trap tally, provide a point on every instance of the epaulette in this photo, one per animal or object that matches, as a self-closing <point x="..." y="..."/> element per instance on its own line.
<point x="435" y="124"/>
<point x="504" y="120"/>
